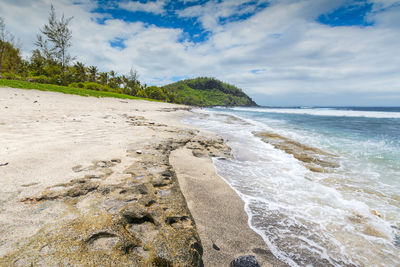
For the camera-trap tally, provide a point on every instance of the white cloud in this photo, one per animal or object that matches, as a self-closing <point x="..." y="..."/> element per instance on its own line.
<point x="156" y="7"/>
<point x="297" y="54"/>
<point x="210" y="13"/>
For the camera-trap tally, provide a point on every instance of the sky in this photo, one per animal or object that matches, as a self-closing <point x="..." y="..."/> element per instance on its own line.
<point x="280" y="52"/>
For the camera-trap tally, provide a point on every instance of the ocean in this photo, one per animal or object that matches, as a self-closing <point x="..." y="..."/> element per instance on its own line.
<point x="320" y="185"/>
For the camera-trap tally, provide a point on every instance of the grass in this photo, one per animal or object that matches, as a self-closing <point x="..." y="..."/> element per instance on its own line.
<point x="65" y="89"/>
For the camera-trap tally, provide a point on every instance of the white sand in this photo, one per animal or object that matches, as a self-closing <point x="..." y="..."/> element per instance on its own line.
<point x="43" y="135"/>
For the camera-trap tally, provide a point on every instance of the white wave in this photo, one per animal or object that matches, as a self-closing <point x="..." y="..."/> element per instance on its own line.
<point x="326" y="112"/>
<point x="303" y="216"/>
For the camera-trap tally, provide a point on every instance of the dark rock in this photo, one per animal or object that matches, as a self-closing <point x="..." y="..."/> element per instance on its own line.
<point x="139" y="216"/>
<point x="167" y="173"/>
<point x="4" y="164"/>
<point x="245" y="261"/>
<point x="159" y="182"/>
<point x="216" y="247"/>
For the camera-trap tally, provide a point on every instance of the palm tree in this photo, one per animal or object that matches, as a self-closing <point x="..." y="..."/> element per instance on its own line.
<point x="92" y="70"/>
<point x="112" y="74"/>
<point x="80" y="72"/>
<point x="112" y="82"/>
<point x="103" y="78"/>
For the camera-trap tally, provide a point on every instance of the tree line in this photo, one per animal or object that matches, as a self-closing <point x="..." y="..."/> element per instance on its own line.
<point x="52" y="63"/>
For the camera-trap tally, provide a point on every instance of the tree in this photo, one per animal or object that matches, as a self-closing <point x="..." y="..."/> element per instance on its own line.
<point x="3" y="35"/>
<point x="132" y="79"/>
<point x="6" y="44"/>
<point x="103" y="78"/>
<point x="56" y="40"/>
<point x="155" y="92"/>
<point x="131" y="83"/>
<point x="141" y="93"/>
<point x="37" y="63"/>
<point x="112" y="81"/>
<point x="92" y="70"/>
<point x="80" y="72"/>
<point x="11" y="59"/>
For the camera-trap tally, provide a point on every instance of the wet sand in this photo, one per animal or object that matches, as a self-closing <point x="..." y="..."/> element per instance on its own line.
<point x="219" y="213"/>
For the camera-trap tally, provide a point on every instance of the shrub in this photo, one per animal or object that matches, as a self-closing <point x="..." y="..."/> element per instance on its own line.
<point x="9" y="76"/>
<point x="141" y="93"/>
<point x="155" y="92"/>
<point x="77" y="85"/>
<point x="93" y="86"/>
<point x="40" y="79"/>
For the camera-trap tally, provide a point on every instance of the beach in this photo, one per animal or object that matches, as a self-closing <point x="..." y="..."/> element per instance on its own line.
<point x="109" y="181"/>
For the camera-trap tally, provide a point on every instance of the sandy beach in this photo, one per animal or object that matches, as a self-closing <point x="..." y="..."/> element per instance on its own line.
<point x="114" y="182"/>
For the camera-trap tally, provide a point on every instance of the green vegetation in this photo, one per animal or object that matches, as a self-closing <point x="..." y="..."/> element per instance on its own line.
<point x="55" y="40"/>
<point x="205" y="91"/>
<point x="65" y="89"/>
<point x="50" y="63"/>
<point x="51" y="68"/>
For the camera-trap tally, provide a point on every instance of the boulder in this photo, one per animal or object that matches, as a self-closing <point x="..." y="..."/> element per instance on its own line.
<point x="245" y="261"/>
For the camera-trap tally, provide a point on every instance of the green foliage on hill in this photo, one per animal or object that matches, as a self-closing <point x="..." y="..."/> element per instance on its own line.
<point x="204" y="91"/>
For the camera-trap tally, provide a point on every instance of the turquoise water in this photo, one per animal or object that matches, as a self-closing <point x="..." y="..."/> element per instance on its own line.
<point x="344" y="216"/>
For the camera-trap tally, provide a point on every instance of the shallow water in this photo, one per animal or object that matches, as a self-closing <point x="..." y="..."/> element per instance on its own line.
<point x="342" y="214"/>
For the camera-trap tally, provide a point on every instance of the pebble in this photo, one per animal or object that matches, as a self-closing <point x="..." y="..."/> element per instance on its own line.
<point x="216" y="247"/>
<point x="139" y="151"/>
<point x="245" y="261"/>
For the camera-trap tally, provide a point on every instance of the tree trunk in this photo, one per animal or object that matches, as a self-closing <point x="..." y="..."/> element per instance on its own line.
<point x="62" y="68"/>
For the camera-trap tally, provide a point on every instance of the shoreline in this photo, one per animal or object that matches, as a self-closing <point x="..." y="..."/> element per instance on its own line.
<point x="103" y="166"/>
<point x="219" y="213"/>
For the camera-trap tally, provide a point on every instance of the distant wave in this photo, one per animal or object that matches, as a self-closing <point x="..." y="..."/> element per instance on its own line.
<point x="326" y="112"/>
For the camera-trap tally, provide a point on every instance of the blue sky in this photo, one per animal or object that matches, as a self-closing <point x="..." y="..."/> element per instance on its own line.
<point x="281" y="52"/>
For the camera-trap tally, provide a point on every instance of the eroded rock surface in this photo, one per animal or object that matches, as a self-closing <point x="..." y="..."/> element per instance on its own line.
<point x="137" y="218"/>
<point x="314" y="159"/>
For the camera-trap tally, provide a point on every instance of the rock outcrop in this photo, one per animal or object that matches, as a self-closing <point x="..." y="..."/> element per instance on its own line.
<point x="138" y="218"/>
<point x="314" y="159"/>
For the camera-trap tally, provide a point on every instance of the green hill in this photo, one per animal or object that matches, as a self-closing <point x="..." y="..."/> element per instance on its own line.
<point x="205" y="91"/>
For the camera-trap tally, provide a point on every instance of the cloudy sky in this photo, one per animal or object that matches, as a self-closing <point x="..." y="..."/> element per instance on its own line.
<point x="280" y="52"/>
